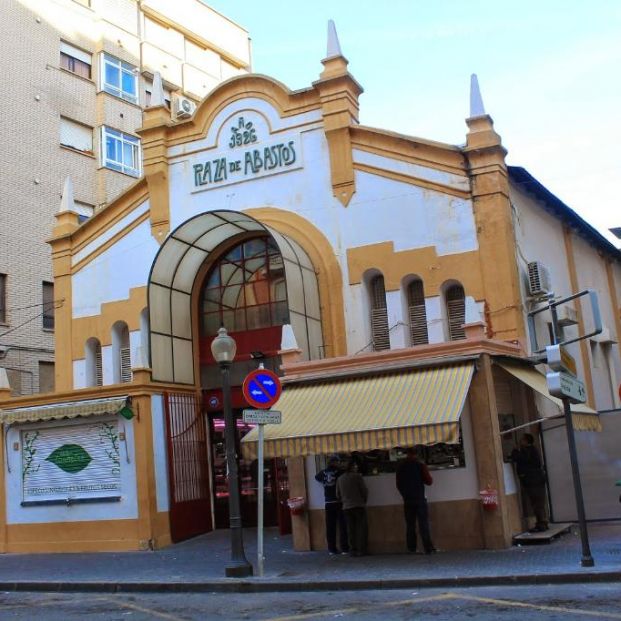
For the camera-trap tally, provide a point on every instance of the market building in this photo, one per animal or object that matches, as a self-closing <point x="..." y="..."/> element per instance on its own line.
<point x="383" y="276"/>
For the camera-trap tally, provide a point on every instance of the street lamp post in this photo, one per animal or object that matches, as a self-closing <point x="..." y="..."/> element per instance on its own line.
<point x="223" y="348"/>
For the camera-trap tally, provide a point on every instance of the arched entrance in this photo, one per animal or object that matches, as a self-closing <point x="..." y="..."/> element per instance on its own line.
<point x="224" y="268"/>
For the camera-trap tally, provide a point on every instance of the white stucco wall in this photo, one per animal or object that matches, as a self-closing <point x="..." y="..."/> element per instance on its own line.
<point x="425" y="217"/>
<point x="540" y="238"/>
<point x="112" y="274"/>
<point x="160" y="455"/>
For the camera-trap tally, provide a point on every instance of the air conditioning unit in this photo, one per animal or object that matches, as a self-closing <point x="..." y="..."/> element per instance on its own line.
<point x="183" y="107"/>
<point x="567" y="316"/>
<point x="539" y="282"/>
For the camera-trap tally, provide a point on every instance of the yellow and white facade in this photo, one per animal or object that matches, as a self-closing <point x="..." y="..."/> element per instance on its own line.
<point x="340" y="205"/>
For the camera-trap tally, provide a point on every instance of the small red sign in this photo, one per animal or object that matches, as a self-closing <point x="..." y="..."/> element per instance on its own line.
<point x="262" y="388"/>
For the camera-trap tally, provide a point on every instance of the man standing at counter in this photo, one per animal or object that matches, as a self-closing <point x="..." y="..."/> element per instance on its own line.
<point x="412" y="476"/>
<point x="333" y="508"/>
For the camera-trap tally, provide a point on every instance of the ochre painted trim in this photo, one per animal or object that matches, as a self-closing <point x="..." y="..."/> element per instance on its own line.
<point x="145" y="470"/>
<point x="100" y="326"/>
<point x="161" y="530"/>
<point x="102" y="220"/>
<point x="108" y="244"/>
<point x="88" y="536"/>
<point x="287" y="103"/>
<point x="428" y="355"/>
<point x="410" y="179"/>
<point x="427" y="153"/>
<point x="329" y="276"/>
<point x="575" y="287"/>
<point x="63" y="325"/>
<point x="3" y="529"/>
<point x="433" y="269"/>
<point x="493" y="218"/>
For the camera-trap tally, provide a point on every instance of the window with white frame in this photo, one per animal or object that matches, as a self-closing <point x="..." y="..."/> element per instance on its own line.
<point x="76" y="136"/>
<point x="75" y="60"/>
<point x="120" y="151"/>
<point x="119" y="78"/>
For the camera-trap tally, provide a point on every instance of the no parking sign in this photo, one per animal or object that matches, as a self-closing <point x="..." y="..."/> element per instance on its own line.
<point x="262" y="388"/>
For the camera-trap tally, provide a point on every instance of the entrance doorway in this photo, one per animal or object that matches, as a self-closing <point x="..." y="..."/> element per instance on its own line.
<point x="190" y="500"/>
<point x="275" y="481"/>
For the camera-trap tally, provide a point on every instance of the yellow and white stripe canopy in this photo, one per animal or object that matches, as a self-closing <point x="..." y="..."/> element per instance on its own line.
<point x="421" y="406"/>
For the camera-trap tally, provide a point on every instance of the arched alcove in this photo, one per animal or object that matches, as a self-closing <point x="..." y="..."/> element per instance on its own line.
<point x="173" y="277"/>
<point x="93" y="362"/>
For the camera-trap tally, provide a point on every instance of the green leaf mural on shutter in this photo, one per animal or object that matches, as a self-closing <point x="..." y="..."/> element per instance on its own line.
<point x="70" y="458"/>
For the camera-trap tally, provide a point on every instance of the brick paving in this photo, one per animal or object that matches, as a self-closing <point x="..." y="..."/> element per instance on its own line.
<point x="199" y="564"/>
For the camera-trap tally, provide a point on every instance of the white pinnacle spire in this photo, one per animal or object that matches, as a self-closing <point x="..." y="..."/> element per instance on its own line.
<point x="476" y="102"/>
<point x="66" y="202"/>
<point x="157" y="91"/>
<point x="334" y="47"/>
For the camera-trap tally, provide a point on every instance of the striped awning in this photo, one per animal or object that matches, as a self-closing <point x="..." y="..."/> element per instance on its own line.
<point x="584" y="418"/>
<point x="70" y="409"/>
<point x="422" y="406"/>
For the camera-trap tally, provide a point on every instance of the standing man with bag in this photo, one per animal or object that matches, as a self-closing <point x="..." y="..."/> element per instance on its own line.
<point x="412" y="476"/>
<point x="333" y="508"/>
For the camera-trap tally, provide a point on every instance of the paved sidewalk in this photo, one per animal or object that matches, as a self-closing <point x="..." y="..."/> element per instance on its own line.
<point x="198" y="565"/>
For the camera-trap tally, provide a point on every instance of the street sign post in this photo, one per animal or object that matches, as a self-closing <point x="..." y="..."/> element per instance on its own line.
<point x="262" y="417"/>
<point x="563" y="385"/>
<point x="559" y="359"/>
<point x="261" y="388"/>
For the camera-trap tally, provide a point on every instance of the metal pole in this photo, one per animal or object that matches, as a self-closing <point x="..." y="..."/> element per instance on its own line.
<point x="587" y="559"/>
<point x="238" y="567"/>
<point x="260" y="510"/>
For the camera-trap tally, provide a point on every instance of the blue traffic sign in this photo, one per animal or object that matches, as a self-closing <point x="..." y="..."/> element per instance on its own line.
<point x="262" y="388"/>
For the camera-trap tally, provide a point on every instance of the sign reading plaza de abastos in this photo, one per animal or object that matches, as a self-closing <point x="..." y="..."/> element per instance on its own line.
<point x="245" y="157"/>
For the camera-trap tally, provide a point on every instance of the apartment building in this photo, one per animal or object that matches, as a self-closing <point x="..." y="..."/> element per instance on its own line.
<point x="78" y="74"/>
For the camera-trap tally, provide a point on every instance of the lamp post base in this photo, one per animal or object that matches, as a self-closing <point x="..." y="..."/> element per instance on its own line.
<point x="239" y="569"/>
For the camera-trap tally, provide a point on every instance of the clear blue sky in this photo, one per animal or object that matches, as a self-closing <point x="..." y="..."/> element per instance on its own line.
<point x="549" y="70"/>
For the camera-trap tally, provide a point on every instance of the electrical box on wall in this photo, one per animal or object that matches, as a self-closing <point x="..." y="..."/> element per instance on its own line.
<point x="183" y="107"/>
<point x="539" y="281"/>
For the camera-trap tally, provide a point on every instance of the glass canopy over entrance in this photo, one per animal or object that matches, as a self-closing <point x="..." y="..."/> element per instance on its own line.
<point x="262" y="278"/>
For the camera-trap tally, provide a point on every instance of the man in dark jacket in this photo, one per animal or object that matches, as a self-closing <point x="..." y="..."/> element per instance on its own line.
<point x="333" y="508"/>
<point x="352" y="491"/>
<point x="533" y="479"/>
<point x="412" y="476"/>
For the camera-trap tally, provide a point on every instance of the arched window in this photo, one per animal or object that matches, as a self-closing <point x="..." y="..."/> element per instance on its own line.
<point x="417" y="315"/>
<point x="94" y="368"/>
<point x="245" y="289"/>
<point x="121" y="360"/>
<point x="455" y="311"/>
<point x="379" y="314"/>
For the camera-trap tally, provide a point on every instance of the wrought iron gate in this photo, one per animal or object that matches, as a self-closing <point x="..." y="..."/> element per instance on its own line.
<point x="190" y="506"/>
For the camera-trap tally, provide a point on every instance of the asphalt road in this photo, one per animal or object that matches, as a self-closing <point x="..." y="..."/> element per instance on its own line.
<point x="541" y="603"/>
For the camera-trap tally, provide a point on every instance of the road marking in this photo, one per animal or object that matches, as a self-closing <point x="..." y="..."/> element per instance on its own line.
<point x="508" y="602"/>
<point x="341" y="611"/>
<point x="150" y="611"/>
